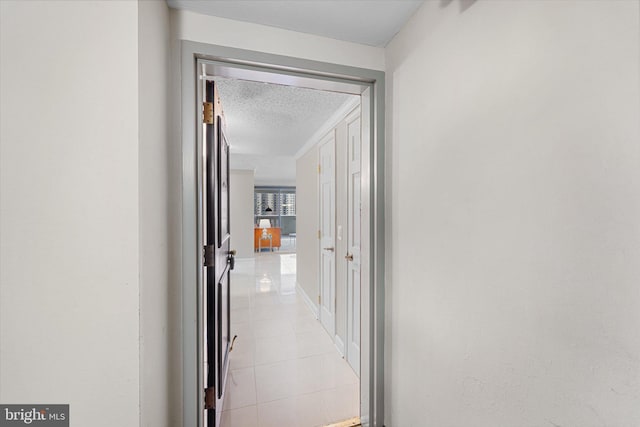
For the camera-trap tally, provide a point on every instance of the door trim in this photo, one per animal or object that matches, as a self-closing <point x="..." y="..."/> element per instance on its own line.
<point x="371" y="84"/>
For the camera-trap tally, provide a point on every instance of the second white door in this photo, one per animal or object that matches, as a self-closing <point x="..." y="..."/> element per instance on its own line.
<point x="353" y="241"/>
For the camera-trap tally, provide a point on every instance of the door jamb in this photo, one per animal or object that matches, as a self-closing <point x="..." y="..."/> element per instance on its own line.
<point x="190" y="52"/>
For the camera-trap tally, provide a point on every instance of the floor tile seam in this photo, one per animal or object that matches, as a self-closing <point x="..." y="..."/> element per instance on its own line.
<point x="242" y="407"/>
<point x="288" y="360"/>
<point x="243" y="369"/>
<point x="272" y="362"/>
<point x="307" y="333"/>
<point x="255" y="386"/>
<point x="294" y="396"/>
<point x="239" y="407"/>
<point x="320" y="390"/>
<point x="320" y="348"/>
<point x="274" y="336"/>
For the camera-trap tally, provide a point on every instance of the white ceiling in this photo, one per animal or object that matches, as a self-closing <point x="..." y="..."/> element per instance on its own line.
<point x="269" y="119"/>
<point x="267" y="124"/>
<point x="369" y="22"/>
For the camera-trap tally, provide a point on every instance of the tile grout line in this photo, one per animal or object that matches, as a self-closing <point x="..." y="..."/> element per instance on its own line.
<point x="263" y="305"/>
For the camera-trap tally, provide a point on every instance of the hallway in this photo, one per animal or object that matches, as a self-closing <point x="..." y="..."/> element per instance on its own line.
<point x="284" y="368"/>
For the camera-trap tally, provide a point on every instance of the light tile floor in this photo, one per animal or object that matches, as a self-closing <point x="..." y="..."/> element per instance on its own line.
<point x="284" y="369"/>
<point x="287" y="246"/>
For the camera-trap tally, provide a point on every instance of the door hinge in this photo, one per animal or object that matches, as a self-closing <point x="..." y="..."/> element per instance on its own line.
<point x="207" y="113"/>
<point x="318" y="299"/>
<point x="319" y="234"/>
<point x="319" y="168"/>
<point x="210" y="398"/>
<point x="209" y="255"/>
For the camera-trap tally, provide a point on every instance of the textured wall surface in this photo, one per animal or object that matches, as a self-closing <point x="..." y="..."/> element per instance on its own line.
<point x="515" y="215"/>
<point x="307" y="248"/>
<point x="159" y="172"/>
<point x="245" y="35"/>
<point x="241" y="200"/>
<point x="69" y="272"/>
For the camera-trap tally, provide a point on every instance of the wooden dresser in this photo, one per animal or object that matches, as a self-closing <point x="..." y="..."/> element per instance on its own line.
<point x="275" y="238"/>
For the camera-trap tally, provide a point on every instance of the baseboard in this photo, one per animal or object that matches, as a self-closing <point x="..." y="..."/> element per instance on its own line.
<point x="309" y="301"/>
<point x="339" y="345"/>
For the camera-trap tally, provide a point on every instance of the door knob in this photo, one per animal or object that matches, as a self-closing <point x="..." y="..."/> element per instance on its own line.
<point x="231" y="259"/>
<point x="328" y="249"/>
<point x="349" y="257"/>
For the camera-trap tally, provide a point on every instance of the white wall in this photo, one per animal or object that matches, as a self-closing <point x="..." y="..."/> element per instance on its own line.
<point x="241" y="205"/>
<point x="244" y="35"/>
<point x="515" y="208"/>
<point x="69" y="276"/>
<point x="307" y="249"/>
<point x="159" y="204"/>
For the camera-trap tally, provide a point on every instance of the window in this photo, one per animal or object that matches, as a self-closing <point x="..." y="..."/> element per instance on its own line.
<point x="277" y="204"/>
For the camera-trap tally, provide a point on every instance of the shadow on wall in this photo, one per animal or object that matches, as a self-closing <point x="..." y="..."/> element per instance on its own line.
<point x="464" y="4"/>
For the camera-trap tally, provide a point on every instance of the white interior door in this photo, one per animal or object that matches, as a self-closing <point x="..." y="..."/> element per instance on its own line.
<point x="327" y="234"/>
<point x="353" y="241"/>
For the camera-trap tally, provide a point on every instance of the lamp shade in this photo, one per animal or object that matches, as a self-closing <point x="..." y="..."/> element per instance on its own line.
<point x="264" y="223"/>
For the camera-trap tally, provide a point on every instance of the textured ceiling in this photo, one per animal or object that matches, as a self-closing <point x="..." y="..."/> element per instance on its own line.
<point x="267" y="124"/>
<point x="370" y="22"/>
<point x="264" y="118"/>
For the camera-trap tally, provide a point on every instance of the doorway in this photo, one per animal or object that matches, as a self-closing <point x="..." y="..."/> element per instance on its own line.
<point x="282" y="70"/>
<point x="288" y="367"/>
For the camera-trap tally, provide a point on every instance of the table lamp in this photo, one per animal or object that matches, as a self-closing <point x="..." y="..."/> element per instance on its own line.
<point x="264" y="224"/>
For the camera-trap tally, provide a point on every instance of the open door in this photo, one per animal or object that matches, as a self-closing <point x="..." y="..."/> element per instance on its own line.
<point x="218" y="257"/>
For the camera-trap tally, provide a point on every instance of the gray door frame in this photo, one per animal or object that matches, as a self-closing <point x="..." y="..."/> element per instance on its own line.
<point x="372" y="84"/>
